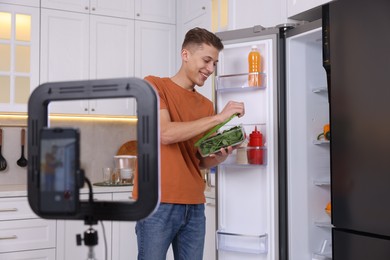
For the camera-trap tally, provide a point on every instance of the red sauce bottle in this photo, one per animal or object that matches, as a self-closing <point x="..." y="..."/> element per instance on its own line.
<point x="255" y="149"/>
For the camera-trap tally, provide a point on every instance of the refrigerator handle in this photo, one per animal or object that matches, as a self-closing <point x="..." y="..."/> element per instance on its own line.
<point x="326" y="45"/>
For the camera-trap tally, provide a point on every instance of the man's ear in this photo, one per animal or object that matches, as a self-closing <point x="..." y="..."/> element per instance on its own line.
<point x="185" y="54"/>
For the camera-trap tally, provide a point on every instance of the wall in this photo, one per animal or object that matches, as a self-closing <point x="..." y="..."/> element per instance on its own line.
<point x="99" y="143"/>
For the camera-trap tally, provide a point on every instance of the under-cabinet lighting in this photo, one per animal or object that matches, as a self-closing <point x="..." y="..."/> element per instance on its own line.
<point x="65" y="117"/>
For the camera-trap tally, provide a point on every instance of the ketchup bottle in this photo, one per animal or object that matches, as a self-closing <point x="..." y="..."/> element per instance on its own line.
<point x="255" y="151"/>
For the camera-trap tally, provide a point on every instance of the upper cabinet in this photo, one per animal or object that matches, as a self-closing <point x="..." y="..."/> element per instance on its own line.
<point x="155" y="49"/>
<point x="295" y="7"/>
<point x="79" y="46"/>
<point x="162" y="11"/>
<point x="192" y="9"/>
<point x="34" y="3"/>
<point x="19" y="52"/>
<point x="115" y="8"/>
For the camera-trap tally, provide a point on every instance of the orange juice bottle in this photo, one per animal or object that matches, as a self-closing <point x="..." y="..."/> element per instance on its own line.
<point x="254" y="62"/>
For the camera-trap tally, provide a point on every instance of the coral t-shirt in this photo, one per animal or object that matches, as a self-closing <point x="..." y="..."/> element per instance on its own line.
<point x="181" y="180"/>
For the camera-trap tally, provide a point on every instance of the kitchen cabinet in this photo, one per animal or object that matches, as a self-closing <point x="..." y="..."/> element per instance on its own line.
<point x="162" y="11"/>
<point x="124" y="239"/>
<point x="209" y="243"/>
<point x="19" y="52"/>
<point x="115" y="8"/>
<point x="68" y="229"/>
<point x="201" y="18"/>
<point x="21" y="230"/>
<point x="155" y="49"/>
<point x="34" y="3"/>
<point x="295" y="7"/>
<point x="79" y="46"/>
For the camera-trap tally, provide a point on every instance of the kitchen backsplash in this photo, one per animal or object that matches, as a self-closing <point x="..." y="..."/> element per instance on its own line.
<point x="99" y="142"/>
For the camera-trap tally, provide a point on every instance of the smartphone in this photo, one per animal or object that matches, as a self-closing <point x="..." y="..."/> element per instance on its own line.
<point x="59" y="168"/>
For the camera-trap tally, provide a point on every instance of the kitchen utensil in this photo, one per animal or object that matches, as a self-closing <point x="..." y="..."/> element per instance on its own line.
<point x="3" y="161"/>
<point x="22" y="162"/>
<point x="213" y="130"/>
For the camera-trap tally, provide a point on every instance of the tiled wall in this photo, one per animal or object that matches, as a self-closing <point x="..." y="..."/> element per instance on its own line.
<point x="99" y="143"/>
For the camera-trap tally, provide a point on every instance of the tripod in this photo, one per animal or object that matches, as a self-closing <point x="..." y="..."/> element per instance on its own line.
<point x="90" y="239"/>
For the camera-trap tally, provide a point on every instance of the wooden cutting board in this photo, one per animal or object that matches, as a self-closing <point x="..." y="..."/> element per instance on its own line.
<point x="128" y="148"/>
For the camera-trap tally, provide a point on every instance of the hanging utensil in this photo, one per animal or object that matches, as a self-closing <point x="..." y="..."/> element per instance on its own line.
<point x="22" y="162"/>
<point x="3" y="161"/>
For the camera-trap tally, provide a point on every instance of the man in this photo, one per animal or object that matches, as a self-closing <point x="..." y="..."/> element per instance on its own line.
<point x="185" y="116"/>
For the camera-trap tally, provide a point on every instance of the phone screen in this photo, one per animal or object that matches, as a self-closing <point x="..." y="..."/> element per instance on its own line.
<point x="59" y="164"/>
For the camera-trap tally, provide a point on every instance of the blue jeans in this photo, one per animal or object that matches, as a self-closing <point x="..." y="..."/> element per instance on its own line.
<point x="180" y="224"/>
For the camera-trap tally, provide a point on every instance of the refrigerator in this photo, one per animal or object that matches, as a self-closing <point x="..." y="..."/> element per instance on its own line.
<point x="276" y="209"/>
<point x="360" y="120"/>
<point x="333" y="71"/>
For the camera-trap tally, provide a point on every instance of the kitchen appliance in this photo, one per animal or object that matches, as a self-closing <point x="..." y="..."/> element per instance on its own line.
<point x="276" y="209"/>
<point x="334" y="70"/>
<point x="360" y="123"/>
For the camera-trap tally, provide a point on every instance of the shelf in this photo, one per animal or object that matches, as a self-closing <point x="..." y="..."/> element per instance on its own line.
<point x="321" y="142"/>
<point x="252" y="244"/>
<point x="322" y="182"/>
<point x="323" y="224"/>
<point x="240" y="158"/>
<point x="320" y="90"/>
<point x="238" y="82"/>
<point x="322" y="256"/>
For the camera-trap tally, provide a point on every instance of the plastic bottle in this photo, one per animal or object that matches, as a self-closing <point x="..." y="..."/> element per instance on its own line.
<point x="254" y="63"/>
<point x="255" y="149"/>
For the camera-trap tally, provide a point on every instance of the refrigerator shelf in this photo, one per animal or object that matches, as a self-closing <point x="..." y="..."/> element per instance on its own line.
<point x="323" y="224"/>
<point x="241" y="157"/>
<point x="321" y="142"/>
<point x="322" y="256"/>
<point x="322" y="182"/>
<point x="320" y="90"/>
<point x="238" y="82"/>
<point x="244" y="243"/>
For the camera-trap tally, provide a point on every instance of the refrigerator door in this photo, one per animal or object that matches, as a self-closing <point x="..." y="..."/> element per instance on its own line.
<point x="247" y="193"/>
<point x="348" y="245"/>
<point x="360" y="116"/>
<point x="308" y="151"/>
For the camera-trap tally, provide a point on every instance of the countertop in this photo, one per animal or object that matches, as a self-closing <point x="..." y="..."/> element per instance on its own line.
<point x="21" y="190"/>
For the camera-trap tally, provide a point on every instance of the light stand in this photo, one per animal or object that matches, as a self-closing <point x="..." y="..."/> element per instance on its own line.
<point x="90" y="239"/>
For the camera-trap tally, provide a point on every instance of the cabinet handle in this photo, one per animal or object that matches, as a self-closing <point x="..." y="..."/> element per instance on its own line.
<point x="86" y="8"/>
<point x="8" y="238"/>
<point x="93" y="8"/>
<point x="93" y="109"/>
<point x="138" y="14"/>
<point x="8" y="210"/>
<point x="85" y="109"/>
<point x="203" y="7"/>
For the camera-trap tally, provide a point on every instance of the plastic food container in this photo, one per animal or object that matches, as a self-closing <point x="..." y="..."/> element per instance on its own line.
<point x="229" y="137"/>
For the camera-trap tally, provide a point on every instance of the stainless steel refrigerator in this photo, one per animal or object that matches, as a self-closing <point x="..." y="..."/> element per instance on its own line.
<point x="334" y="70"/>
<point x="276" y="209"/>
<point x="360" y="124"/>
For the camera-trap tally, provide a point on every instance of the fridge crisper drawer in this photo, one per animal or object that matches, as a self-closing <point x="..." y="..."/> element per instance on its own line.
<point x="253" y="244"/>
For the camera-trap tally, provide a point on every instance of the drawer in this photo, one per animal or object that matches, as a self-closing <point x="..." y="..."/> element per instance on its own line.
<point x="43" y="254"/>
<point x="28" y="234"/>
<point x="15" y="208"/>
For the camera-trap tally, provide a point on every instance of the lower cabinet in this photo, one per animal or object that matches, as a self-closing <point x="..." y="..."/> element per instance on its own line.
<point x="42" y="254"/>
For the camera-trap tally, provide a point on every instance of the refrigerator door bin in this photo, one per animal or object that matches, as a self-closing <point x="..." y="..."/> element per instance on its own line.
<point x="241" y="157"/>
<point x="252" y="244"/>
<point x="238" y="82"/>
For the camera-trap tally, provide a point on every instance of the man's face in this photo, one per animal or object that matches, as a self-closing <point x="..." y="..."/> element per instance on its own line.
<point x="200" y="62"/>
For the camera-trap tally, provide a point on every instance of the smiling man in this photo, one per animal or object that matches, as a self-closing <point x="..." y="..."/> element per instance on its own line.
<point x="185" y="116"/>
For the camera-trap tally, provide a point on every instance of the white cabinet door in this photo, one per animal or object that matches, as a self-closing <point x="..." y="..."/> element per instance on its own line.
<point x="68" y="229"/>
<point x="43" y="254"/>
<point x="191" y="9"/>
<point x="111" y="56"/>
<point x="156" y="51"/>
<point x="163" y="11"/>
<point x="34" y="3"/>
<point x="64" y="53"/>
<point x="19" y="56"/>
<point x="124" y="239"/>
<point x="209" y="244"/>
<point x="115" y="8"/>
<point x="295" y="7"/>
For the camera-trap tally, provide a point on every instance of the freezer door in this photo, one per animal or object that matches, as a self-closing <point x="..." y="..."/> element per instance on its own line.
<point x="352" y="246"/>
<point x="360" y="116"/>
